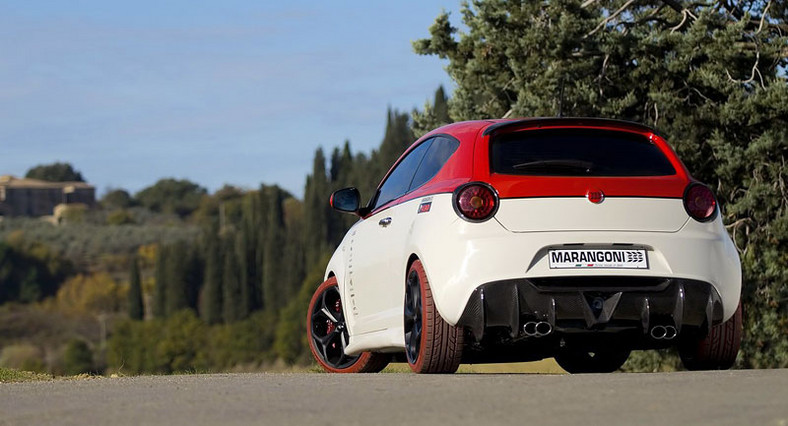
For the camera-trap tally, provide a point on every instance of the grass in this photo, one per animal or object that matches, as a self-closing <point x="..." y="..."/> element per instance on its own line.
<point x="8" y="375"/>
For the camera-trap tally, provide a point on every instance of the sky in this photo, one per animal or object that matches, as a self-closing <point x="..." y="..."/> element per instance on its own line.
<point x="239" y="91"/>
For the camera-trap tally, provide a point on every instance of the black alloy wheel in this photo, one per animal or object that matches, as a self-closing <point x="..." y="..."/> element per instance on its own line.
<point x="413" y="323"/>
<point x="329" y="332"/>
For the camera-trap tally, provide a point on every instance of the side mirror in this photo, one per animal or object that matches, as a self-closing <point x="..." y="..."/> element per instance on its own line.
<point x="346" y="200"/>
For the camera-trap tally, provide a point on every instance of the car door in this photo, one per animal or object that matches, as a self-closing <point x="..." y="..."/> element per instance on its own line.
<point x="375" y="293"/>
<point x="379" y="242"/>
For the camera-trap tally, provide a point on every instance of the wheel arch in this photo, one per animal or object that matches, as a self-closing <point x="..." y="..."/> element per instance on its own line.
<point x="425" y="264"/>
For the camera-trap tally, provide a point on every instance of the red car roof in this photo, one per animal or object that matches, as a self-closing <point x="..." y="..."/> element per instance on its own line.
<point x="471" y="162"/>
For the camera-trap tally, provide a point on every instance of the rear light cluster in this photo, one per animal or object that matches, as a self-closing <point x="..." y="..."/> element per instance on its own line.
<point x="475" y="201"/>
<point x="700" y="203"/>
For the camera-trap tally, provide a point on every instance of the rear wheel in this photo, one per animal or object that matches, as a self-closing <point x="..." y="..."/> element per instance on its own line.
<point x="718" y="350"/>
<point x="431" y="344"/>
<point x="582" y="361"/>
<point x="328" y="335"/>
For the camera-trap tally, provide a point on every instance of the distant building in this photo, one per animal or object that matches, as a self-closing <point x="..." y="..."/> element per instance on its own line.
<point x="33" y="197"/>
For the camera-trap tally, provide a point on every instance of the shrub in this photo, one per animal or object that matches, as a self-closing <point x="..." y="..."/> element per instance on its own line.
<point x="77" y="358"/>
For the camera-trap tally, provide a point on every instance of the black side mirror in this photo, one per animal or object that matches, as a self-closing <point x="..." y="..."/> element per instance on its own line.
<point x="346" y="200"/>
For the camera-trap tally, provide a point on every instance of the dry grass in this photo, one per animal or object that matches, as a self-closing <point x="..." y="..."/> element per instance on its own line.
<point x="8" y="375"/>
<point x="545" y="366"/>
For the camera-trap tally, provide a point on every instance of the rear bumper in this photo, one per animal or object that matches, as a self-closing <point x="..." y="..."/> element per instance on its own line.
<point x="574" y="305"/>
<point x="459" y="256"/>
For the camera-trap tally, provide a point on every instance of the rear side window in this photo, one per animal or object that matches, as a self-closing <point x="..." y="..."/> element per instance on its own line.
<point x="441" y="149"/>
<point x="577" y="152"/>
<point x="398" y="182"/>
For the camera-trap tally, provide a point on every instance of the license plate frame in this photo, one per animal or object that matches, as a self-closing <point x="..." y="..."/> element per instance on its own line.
<point x="598" y="258"/>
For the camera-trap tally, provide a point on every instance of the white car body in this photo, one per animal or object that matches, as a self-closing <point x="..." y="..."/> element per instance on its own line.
<point x="496" y="272"/>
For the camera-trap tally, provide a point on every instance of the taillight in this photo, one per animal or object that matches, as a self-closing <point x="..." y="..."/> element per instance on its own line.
<point x="699" y="202"/>
<point x="475" y="201"/>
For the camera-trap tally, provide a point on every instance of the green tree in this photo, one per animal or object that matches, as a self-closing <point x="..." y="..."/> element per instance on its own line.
<point x="274" y="291"/>
<point x="30" y="271"/>
<point x="180" y="197"/>
<point x="211" y="300"/>
<point x="160" y="290"/>
<point x="710" y="75"/>
<point x="433" y="115"/>
<point x="316" y="211"/>
<point x="232" y="302"/>
<point x="77" y="357"/>
<point x="117" y="199"/>
<point x="55" y="172"/>
<point x="136" y="308"/>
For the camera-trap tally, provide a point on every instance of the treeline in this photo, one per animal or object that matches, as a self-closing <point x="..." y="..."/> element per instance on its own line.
<point x="246" y="282"/>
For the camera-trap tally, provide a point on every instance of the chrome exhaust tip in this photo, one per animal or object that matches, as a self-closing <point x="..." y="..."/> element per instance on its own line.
<point x="543" y="328"/>
<point x="670" y="332"/>
<point x="529" y="328"/>
<point x="658" y="332"/>
<point x="537" y="328"/>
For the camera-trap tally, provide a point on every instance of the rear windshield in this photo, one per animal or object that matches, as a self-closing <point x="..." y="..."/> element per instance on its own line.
<point x="577" y="152"/>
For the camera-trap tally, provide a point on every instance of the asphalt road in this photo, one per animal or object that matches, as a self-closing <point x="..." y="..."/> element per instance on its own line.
<point x="719" y="398"/>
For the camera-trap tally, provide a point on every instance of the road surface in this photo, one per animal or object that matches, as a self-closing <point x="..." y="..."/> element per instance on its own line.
<point x="755" y="397"/>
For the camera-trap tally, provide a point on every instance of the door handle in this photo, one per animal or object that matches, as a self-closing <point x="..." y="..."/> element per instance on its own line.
<point x="385" y="222"/>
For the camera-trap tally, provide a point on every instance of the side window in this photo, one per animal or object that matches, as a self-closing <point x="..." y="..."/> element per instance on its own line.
<point x="399" y="180"/>
<point x="441" y="149"/>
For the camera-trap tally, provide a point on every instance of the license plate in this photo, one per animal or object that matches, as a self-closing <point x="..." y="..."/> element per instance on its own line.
<point x="598" y="258"/>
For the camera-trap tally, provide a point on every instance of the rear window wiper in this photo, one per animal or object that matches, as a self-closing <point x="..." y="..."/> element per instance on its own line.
<point x="585" y="166"/>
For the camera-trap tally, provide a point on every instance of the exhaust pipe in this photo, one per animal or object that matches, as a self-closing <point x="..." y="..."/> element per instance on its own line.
<point x="667" y="332"/>
<point x="658" y="332"/>
<point x="670" y="332"/>
<point x="537" y="328"/>
<point x="543" y="328"/>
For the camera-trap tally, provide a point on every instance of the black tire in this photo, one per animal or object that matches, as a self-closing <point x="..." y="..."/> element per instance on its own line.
<point x="576" y="361"/>
<point x="328" y="335"/>
<point x="431" y="344"/>
<point x="718" y="350"/>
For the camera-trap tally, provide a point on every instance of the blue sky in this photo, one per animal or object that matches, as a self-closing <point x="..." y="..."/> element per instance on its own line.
<point x="238" y="92"/>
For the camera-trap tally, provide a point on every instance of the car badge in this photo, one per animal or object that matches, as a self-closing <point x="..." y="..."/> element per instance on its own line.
<point x="425" y="206"/>
<point x="595" y="196"/>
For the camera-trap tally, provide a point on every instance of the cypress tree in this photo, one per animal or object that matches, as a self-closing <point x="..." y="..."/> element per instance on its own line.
<point x="175" y="272"/>
<point x="440" y="107"/>
<point x="136" y="308"/>
<point x="211" y="300"/>
<point x="316" y="211"/>
<point x="160" y="290"/>
<point x="231" y="286"/>
<point x="273" y="273"/>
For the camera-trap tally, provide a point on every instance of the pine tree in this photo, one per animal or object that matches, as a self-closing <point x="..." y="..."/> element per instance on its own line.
<point x="136" y="308"/>
<point x="710" y="75"/>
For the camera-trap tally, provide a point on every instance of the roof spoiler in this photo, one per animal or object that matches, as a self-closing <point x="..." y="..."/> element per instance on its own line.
<point x="575" y="121"/>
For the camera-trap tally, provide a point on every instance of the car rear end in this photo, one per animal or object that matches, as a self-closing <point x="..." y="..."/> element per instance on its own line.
<point x="582" y="230"/>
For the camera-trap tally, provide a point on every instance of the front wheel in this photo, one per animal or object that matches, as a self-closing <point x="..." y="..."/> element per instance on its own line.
<point x="582" y="361"/>
<point x="328" y="335"/>
<point x="716" y="351"/>
<point x="431" y="344"/>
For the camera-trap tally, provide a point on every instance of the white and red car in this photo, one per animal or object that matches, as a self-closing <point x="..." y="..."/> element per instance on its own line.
<point x="516" y="240"/>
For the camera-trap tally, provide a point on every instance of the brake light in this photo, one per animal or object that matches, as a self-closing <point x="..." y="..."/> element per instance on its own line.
<point x="475" y="201"/>
<point x="699" y="202"/>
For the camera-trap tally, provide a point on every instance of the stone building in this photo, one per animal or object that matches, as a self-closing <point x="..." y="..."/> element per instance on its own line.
<point x="32" y="197"/>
